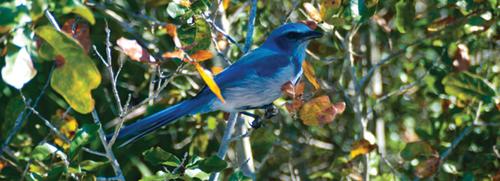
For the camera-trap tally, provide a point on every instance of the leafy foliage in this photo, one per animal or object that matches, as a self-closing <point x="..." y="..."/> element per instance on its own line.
<point x="410" y="85"/>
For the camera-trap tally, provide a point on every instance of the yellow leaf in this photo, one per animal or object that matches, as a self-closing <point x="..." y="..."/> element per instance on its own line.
<point x="68" y="127"/>
<point x="310" y="74"/>
<point x="209" y="81"/>
<point x="360" y="147"/>
<point x="312" y="12"/>
<point x="201" y="55"/>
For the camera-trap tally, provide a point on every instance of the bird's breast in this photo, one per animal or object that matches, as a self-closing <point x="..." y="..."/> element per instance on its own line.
<point x="256" y="91"/>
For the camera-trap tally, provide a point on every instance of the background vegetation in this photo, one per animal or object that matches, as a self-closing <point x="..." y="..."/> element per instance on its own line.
<point x="419" y="79"/>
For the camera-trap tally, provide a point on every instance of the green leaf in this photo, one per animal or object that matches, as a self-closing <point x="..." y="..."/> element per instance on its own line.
<point x="175" y="10"/>
<point x="42" y="152"/>
<point x="158" y="156"/>
<point x="466" y="85"/>
<point x="75" y="6"/>
<point x="212" y="164"/>
<point x="56" y="172"/>
<point x="160" y="176"/>
<point x="37" y="8"/>
<point x="82" y="137"/>
<point x="202" y="35"/>
<point x="239" y="176"/>
<point x="14" y="107"/>
<point x="405" y="13"/>
<point x="91" y="165"/>
<point x="76" y="74"/>
<point x="416" y="149"/>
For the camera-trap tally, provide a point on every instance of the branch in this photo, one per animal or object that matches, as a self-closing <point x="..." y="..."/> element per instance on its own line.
<point x="356" y="98"/>
<point x="251" y="26"/>
<point x="226" y="139"/>
<point x="107" y="148"/>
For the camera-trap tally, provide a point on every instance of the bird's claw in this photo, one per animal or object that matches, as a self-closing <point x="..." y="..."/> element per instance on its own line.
<point x="256" y="124"/>
<point x="271" y="111"/>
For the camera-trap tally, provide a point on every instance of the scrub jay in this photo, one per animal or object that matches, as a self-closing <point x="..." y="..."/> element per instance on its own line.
<point x="252" y="82"/>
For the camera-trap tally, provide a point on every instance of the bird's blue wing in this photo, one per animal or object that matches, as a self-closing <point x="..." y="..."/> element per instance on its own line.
<point x="263" y="62"/>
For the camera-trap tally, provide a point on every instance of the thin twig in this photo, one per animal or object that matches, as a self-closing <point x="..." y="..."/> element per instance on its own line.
<point x="226" y="139"/>
<point x="109" y="153"/>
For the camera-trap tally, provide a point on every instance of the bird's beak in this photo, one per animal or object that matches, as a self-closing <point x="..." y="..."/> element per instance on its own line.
<point x="312" y="34"/>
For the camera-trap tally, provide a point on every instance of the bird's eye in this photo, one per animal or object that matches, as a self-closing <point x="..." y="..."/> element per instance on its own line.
<point x="293" y="35"/>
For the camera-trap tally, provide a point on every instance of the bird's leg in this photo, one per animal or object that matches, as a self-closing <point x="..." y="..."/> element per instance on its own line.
<point x="256" y="123"/>
<point x="270" y="111"/>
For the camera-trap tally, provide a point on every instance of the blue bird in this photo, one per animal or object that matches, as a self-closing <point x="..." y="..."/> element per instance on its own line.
<point x="254" y="81"/>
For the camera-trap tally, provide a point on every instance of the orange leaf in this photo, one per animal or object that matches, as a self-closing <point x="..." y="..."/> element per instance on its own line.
<point x="68" y="127"/>
<point x="320" y="111"/>
<point x="310" y="74"/>
<point x="175" y="54"/>
<point x="312" y="12"/>
<point x="135" y="51"/>
<point x="201" y="55"/>
<point x="216" y="70"/>
<point x="79" y="31"/>
<point x="172" y="31"/>
<point x="209" y="81"/>
<point x="360" y="147"/>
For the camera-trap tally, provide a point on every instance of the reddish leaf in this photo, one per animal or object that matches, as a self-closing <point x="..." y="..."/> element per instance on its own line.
<point x="80" y="31"/>
<point x="294" y="105"/>
<point x="440" y="23"/>
<point x="311" y="24"/>
<point x="135" y="51"/>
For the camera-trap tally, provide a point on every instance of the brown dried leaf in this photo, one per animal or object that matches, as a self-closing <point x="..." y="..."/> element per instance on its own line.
<point x="361" y="147"/>
<point x="293" y="91"/>
<point x="294" y="105"/>
<point x="135" y="51"/>
<point x="427" y="168"/>
<point x="319" y="111"/>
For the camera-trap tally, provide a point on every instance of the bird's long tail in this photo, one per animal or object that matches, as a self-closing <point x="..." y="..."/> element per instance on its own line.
<point x="147" y="125"/>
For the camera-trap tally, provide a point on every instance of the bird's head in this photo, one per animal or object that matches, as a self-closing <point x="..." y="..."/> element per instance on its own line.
<point x="290" y="37"/>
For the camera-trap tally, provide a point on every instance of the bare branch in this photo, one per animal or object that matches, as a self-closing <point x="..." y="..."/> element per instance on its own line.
<point x="226" y="139"/>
